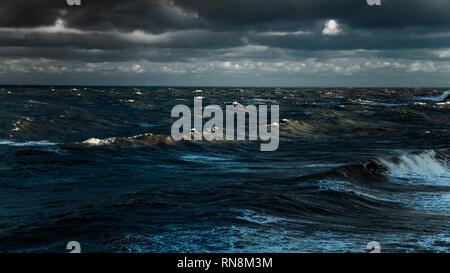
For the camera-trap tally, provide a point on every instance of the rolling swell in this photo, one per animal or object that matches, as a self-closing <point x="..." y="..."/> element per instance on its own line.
<point x="98" y="165"/>
<point x="427" y="163"/>
<point x="363" y="195"/>
<point x="143" y="139"/>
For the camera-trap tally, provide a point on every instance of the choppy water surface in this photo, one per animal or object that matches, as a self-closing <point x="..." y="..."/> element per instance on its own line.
<point x="97" y="165"/>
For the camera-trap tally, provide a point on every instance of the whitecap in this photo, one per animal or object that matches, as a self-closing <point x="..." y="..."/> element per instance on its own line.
<point x="437" y="98"/>
<point x="27" y="143"/>
<point x="261" y="219"/>
<point x="98" y="142"/>
<point x="203" y="158"/>
<point x="36" y="102"/>
<point x="424" y="167"/>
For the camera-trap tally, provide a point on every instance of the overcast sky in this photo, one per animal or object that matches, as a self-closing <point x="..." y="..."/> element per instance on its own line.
<point x="226" y="42"/>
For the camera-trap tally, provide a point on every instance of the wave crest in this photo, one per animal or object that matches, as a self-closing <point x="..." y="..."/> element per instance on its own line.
<point x="438" y="98"/>
<point x="143" y="139"/>
<point x="426" y="163"/>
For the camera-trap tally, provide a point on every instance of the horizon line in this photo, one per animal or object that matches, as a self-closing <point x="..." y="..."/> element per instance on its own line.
<point x="219" y="86"/>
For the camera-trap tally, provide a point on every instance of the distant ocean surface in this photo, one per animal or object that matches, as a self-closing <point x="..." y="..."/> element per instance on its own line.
<point x="97" y="165"/>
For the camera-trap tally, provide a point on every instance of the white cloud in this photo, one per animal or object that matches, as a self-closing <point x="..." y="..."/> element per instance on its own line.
<point x="243" y="51"/>
<point x="143" y="37"/>
<point x="422" y="67"/>
<point x="58" y="27"/>
<point x="384" y="64"/>
<point x="331" y="28"/>
<point x="137" y="68"/>
<point x="282" y="33"/>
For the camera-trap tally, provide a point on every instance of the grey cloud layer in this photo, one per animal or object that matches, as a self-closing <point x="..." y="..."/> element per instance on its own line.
<point x="220" y="39"/>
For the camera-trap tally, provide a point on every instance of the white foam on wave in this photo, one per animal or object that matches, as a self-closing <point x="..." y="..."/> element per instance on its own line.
<point x="36" y="102"/>
<point x="378" y="103"/>
<point x="437" y="202"/>
<point x="425" y="166"/>
<point x="27" y="143"/>
<point x="424" y="169"/>
<point x="198" y="158"/>
<point x="253" y="217"/>
<point x="348" y="187"/>
<point x="442" y="103"/>
<point x="98" y="142"/>
<point x="437" y="98"/>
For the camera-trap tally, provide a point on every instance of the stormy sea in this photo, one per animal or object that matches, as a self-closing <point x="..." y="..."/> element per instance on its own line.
<point x="97" y="165"/>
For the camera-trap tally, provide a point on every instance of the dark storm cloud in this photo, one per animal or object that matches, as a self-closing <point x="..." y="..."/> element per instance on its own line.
<point x="160" y="15"/>
<point x="356" y="13"/>
<point x="347" y="41"/>
<point x="94" y="55"/>
<point x="149" y="15"/>
<point x="24" y="13"/>
<point x="113" y="41"/>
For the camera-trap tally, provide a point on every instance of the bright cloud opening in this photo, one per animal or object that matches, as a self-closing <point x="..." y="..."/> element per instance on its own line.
<point x="331" y="28"/>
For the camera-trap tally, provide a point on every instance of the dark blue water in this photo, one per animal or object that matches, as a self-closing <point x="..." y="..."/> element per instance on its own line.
<point x="97" y="165"/>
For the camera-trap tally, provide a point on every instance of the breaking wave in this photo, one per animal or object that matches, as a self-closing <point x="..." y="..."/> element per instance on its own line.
<point x="437" y="98"/>
<point x="429" y="165"/>
<point x="143" y="139"/>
